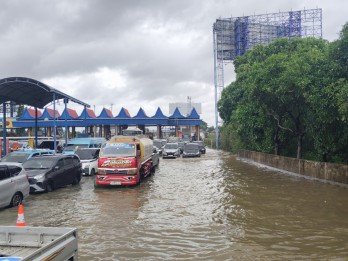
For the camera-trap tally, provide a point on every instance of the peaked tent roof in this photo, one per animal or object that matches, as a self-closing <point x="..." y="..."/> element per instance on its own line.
<point x="29" y="114"/>
<point x="105" y="113"/>
<point x="28" y="91"/>
<point x="141" y="114"/>
<point x="193" y="114"/>
<point x="177" y="114"/>
<point x="159" y="114"/>
<point x="49" y="114"/>
<point x="87" y="113"/>
<point x="69" y="114"/>
<point x="123" y="113"/>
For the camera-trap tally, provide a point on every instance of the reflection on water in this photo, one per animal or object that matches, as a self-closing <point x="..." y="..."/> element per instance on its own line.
<point x="210" y="208"/>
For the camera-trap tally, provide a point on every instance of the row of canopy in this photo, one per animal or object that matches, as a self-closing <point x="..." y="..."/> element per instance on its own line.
<point x="69" y="117"/>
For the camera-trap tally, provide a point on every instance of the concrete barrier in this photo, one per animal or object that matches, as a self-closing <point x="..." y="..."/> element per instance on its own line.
<point x="324" y="171"/>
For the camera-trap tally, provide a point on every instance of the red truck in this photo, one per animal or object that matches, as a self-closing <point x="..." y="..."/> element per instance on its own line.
<point x="124" y="160"/>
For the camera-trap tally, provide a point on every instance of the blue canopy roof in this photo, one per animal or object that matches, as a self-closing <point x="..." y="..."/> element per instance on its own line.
<point x="87" y="118"/>
<point x="193" y="114"/>
<point x="159" y="114"/>
<point x="140" y="115"/>
<point x="177" y="114"/>
<point x="123" y="113"/>
<point x="105" y="113"/>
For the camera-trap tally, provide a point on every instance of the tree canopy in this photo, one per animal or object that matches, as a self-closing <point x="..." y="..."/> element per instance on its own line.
<point x="290" y="98"/>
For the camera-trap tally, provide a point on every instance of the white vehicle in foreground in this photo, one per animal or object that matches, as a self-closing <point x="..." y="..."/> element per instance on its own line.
<point x="89" y="160"/>
<point x="38" y="243"/>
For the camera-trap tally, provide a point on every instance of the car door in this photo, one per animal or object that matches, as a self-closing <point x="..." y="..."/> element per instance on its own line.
<point x="7" y="187"/>
<point x="21" y="181"/>
<point x="70" y="171"/>
<point x="58" y="173"/>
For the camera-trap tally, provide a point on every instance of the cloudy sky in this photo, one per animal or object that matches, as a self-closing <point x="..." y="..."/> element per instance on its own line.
<point x="131" y="53"/>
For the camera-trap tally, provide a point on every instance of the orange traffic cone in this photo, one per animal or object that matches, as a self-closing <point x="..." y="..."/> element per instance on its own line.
<point x="20" y="220"/>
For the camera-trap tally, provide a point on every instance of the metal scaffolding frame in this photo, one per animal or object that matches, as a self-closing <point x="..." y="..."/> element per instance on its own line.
<point x="232" y="37"/>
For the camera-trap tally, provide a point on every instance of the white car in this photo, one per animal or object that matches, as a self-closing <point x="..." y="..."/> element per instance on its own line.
<point x="155" y="157"/>
<point x="89" y="160"/>
<point x="14" y="184"/>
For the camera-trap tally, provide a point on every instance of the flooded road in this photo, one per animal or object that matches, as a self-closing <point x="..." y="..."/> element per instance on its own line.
<point x="211" y="208"/>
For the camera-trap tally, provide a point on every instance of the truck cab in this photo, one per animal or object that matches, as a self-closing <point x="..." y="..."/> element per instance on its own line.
<point x="124" y="160"/>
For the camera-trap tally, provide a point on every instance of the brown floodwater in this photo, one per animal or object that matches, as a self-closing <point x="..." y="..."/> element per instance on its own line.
<point x="216" y="207"/>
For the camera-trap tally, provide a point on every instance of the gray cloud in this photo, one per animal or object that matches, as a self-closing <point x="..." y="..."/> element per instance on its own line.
<point x="158" y="51"/>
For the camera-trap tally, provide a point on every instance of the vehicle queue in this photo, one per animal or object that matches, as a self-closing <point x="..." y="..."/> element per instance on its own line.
<point x="29" y="170"/>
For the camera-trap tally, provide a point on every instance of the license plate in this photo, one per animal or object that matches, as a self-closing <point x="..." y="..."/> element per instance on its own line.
<point x="115" y="182"/>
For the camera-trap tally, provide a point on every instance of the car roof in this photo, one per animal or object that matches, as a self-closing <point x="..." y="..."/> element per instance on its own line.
<point x="55" y="156"/>
<point x="11" y="164"/>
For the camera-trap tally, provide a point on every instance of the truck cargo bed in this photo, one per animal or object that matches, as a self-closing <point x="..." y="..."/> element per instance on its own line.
<point x="37" y="243"/>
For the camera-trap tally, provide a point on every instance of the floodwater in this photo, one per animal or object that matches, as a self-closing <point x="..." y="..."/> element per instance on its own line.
<point x="211" y="208"/>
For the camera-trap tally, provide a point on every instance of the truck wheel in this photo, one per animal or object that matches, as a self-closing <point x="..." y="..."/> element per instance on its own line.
<point x="92" y="172"/>
<point x="153" y="170"/>
<point x="16" y="199"/>
<point x="138" y="179"/>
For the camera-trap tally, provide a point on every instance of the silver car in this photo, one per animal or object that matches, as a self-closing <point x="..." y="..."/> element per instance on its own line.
<point x="14" y="184"/>
<point x="171" y="150"/>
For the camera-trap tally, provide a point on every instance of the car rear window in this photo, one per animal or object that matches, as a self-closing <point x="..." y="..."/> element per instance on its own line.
<point x="3" y="173"/>
<point x="14" y="170"/>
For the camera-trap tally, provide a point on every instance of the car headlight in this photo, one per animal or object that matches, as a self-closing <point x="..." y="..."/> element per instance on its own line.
<point x="164" y="153"/>
<point x="37" y="177"/>
<point x="87" y="166"/>
<point x="132" y="171"/>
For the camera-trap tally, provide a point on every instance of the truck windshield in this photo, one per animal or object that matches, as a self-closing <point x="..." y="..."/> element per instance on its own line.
<point x="118" y="149"/>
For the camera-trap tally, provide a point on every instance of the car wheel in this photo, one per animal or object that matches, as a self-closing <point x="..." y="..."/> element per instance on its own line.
<point x="76" y="181"/>
<point x="49" y="186"/>
<point x="92" y="172"/>
<point x="16" y="199"/>
<point x="157" y="163"/>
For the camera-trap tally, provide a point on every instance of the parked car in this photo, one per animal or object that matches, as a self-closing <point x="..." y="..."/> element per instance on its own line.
<point x="78" y="143"/>
<point x="201" y="146"/>
<point x="171" y="150"/>
<point x="191" y="150"/>
<point x="14" y="185"/>
<point x="155" y="157"/>
<point x="50" y="172"/>
<point x="158" y="144"/>
<point x="89" y="160"/>
<point x="49" y="144"/>
<point x="181" y="146"/>
<point x="23" y="155"/>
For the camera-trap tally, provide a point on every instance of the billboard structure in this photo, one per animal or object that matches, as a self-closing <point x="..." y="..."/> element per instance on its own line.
<point x="185" y="108"/>
<point x="234" y="36"/>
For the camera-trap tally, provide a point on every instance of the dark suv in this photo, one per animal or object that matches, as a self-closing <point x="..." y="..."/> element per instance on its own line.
<point x="46" y="173"/>
<point x="201" y="146"/>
